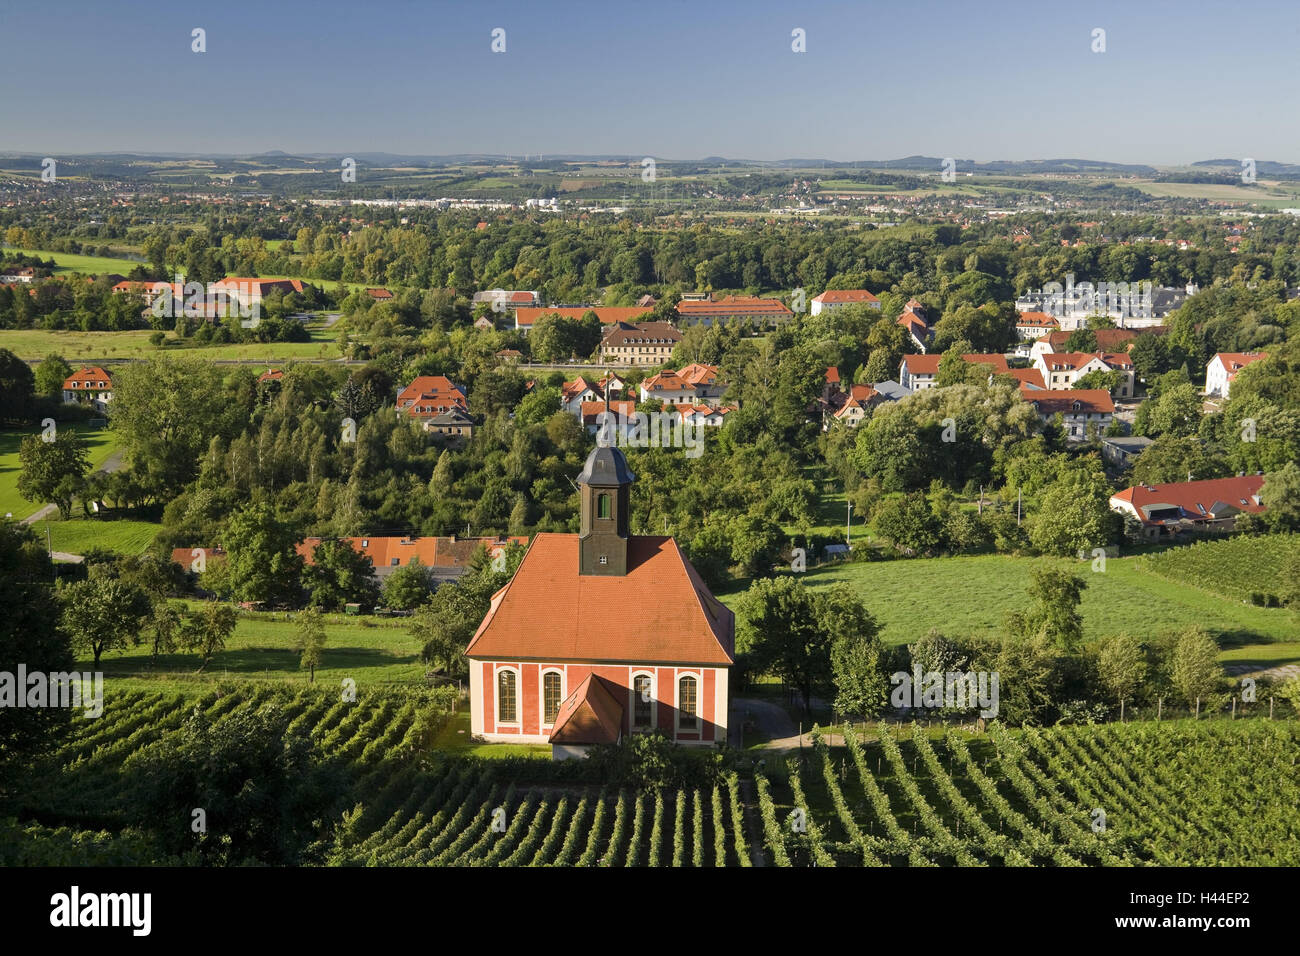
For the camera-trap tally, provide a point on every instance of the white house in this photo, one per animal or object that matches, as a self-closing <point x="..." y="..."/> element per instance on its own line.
<point x="1223" y="368"/>
<point x="838" y="298"/>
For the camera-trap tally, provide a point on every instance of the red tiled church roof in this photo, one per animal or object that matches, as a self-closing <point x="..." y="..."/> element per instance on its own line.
<point x="659" y="612"/>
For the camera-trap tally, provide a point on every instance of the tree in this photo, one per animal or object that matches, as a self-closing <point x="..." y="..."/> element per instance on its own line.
<point x="104" y="613"/>
<point x="1194" y="669"/>
<point x="909" y="522"/>
<point x="166" y="627"/>
<point x="311" y="640"/>
<point x="30" y="635"/>
<point x="1121" y="665"/>
<point x="273" y="797"/>
<point x="1172" y="459"/>
<point x="16" y="384"/>
<point x="788" y="630"/>
<point x="262" y="563"/>
<point x="1054" y="614"/>
<point x="339" y="575"/>
<point x="857" y="656"/>
<point x="167" y="411"/>
<point x="53" y="470"/>
<point x="206" y="631"/>
<point x="407" y="587"/>
<point x="1280" y="494"/>
<point x="1074" y="514"/>
<point x="50" y="376"/>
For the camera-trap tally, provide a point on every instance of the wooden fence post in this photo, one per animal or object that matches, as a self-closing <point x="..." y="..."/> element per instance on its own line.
<point x="1160" y="704"/>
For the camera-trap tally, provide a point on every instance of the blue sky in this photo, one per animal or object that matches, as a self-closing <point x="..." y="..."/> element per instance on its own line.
<point x="1179" y="81"/>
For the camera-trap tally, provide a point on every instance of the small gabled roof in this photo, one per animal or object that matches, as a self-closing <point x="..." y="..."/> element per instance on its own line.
<point x="590" y="715"/>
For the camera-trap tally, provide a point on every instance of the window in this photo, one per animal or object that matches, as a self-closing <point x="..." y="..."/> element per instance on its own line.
<point x="550" y="696"/>
<point x="642" y="701"/>
<point x="602" y="506"/>
<point x="604" y="559"/>
<point x="506" y="697"/>
<point x="395" y="562"/>
<point x="686" y="702"/>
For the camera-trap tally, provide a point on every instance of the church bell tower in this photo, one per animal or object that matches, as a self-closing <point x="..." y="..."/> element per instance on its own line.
<point x="604" y="485"/>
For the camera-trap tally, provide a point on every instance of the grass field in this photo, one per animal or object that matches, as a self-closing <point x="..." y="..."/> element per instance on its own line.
<point x="102" y="444"/>
<point x="79" y="535"/>
<point x="90" y="265"/>
<point x="1266" y="193"/>
<point x="87" y="346"/>
<point x="372" y="653"/>
<point x="971" y="595"/>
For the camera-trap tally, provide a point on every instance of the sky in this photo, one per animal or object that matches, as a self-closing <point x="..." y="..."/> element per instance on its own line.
<point x="1179" y="80"/>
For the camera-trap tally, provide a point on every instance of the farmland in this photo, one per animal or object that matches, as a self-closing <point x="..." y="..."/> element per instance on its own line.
<point x="1234" y="567"/>
<point x="1180" y="793"/>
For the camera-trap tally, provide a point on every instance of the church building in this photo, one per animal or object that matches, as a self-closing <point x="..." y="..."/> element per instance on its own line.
<point x="602" y="634"/>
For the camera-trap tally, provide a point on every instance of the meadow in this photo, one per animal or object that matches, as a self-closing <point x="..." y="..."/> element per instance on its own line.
<point x="102" y="444"/>
<point x="75" y="347"/>
<point x="66" y="262"/>
<point x="971" y="595"/>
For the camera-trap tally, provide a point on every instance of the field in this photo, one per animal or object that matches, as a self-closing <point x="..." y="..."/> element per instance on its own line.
<point x="78" y="535"/>
<point x="1178" y="793"/>
<point x="94" y="346"/>
<point x="971" y="595"/>
<point x="1175" y="794"/>
<point x="102" y="442"/>
<point x="88" y="265"/>
<point x="368" y="650"/>
<point x="1232" y="567"/>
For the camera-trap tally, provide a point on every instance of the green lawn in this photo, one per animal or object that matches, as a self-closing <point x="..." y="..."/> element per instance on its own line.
<point x="79" y="535"/>
<point x="95" y="346"/>
<point x="90" y="265"/>
<point x="971" y="595"/>
<point x="102" y="443"/>
<point x="454" y="738"/>
<point x="374" y="652"/>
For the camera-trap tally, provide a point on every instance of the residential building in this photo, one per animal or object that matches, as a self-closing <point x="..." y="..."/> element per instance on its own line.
<point x="91" y="385"/>
<point x="379" y="295"/>
<point x="446" y="558"/>
<point x="453" y="427"/>
<point x="525" y="318"/>
<point x="854" y="406"/>
<point x="1033" y="325"/>
<point x="17" y="274"/>
<point x="589" y="414"/>
<point x="574" y="394"/>
<point x="1121" y="451"/>
<point x="1208" y="505"/>
<point x="917" y="330"/>
<point x="503" y="299"/>
<point x="694" y="383"/>
<point x="1082" y="410"/>
<point x="428" y="396"/>
<point x="1063" y="369"/>
<point x="1223" y="368"/>
<point x="1108" y="340"/>
<point x="602" y="634"/>
<point x="733" y="308"/>
<point x="919" y="372"/>
<point x="639" y="343"/>
<point x="838" y="298"/>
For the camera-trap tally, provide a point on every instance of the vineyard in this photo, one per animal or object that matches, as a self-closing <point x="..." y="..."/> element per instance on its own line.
<point x="1184" y="793"/>
<point x="1175" y="793"/>
<point x="1236" y="567"/>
